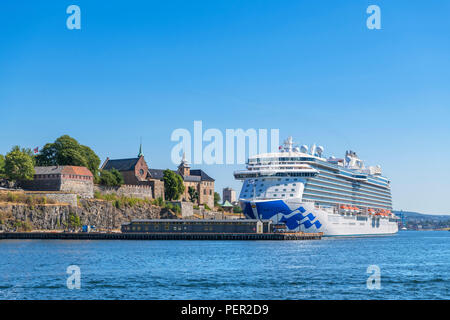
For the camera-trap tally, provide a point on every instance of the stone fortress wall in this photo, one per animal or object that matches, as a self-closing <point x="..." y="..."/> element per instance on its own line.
<point x="134" y="191"/>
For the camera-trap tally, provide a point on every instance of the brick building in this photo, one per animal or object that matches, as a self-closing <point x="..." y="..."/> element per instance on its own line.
<point x="135" y="172"/>
<point x="198" y="179"/>
<point x="74" y="179"/>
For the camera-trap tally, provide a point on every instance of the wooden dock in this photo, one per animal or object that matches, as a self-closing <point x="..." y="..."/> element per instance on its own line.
<point x="157" y="236"/>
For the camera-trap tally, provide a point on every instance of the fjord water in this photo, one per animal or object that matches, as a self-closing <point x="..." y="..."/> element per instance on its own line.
<point x="414" y="265"/>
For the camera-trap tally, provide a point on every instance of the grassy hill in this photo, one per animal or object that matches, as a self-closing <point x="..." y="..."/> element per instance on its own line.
<point x="421" y="216"/>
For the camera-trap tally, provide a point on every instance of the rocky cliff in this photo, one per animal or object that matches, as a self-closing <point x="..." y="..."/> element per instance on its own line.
<point x="102" y="214"/>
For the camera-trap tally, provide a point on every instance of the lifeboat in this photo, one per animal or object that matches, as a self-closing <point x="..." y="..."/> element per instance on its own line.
<point x="344" y="208"/>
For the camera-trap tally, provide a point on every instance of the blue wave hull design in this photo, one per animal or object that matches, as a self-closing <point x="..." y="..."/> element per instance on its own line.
<point x="279" y="211"/>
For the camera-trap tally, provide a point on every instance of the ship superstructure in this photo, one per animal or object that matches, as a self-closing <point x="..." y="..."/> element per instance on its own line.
<point x="307" y="192"/>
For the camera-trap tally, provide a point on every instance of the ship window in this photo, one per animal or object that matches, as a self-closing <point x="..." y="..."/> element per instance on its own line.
<point x="292" y="189"/>
<point x="274" y="195"/>
<point x="291" y="195"/>
<point x="294" y="184"/>
<point x="283" y="195"/>
<point x="276" y="189"/>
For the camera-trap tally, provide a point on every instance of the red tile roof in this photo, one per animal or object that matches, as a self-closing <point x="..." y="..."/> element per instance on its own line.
<point x="80" y="171"/>
<point x="74" y="170"/>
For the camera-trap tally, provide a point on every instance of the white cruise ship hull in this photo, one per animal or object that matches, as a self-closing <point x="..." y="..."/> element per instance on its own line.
<point x="306" y="217"/>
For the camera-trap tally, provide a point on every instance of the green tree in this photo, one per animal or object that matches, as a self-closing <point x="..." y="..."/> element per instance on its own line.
<point x="107" y="178"/>
<point x="111" y="178"/>
<point x="237" y="209"/>
<point x="2" y="166"/>
<point x="119" y="177"/>
<point x="216" y="199"/>
<point x="193" y="194"/>
<point x="74" y="221"/>
<point x="19" y="164"/>
<point x="93" y="161"/>
<point x="66" y="151"/>
<point x="173" y="185"/>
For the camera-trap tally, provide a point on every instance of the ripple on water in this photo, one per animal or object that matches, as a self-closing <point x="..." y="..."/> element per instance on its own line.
<point x="414" y="265"/>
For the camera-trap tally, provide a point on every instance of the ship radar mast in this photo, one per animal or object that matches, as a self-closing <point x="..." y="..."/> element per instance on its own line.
<point x="288" y="145"/>
<point x="352" y="161"/>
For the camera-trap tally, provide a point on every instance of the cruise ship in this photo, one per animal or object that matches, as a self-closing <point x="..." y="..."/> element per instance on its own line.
<point x="302" y="191"/>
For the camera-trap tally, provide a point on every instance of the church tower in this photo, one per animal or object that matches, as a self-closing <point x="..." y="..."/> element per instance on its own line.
<point x="140" y="150"/>
<point x="184" y="169"/>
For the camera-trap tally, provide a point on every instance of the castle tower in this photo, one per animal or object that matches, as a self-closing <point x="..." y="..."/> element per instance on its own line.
<point x="184" y="169"/>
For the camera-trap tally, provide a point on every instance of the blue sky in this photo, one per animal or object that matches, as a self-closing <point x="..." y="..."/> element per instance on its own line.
<point x="310" y="68"/>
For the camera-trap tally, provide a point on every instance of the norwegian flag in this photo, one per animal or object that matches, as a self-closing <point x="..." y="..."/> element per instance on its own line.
<point x="36" y="150"/>
<point x="280" y="147"/>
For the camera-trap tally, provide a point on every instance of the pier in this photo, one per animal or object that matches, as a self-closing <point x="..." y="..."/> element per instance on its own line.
<point x="156" y="236"/>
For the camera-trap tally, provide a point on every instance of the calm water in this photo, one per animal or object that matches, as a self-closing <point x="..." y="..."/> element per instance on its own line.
<point x="414" y="265"/>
